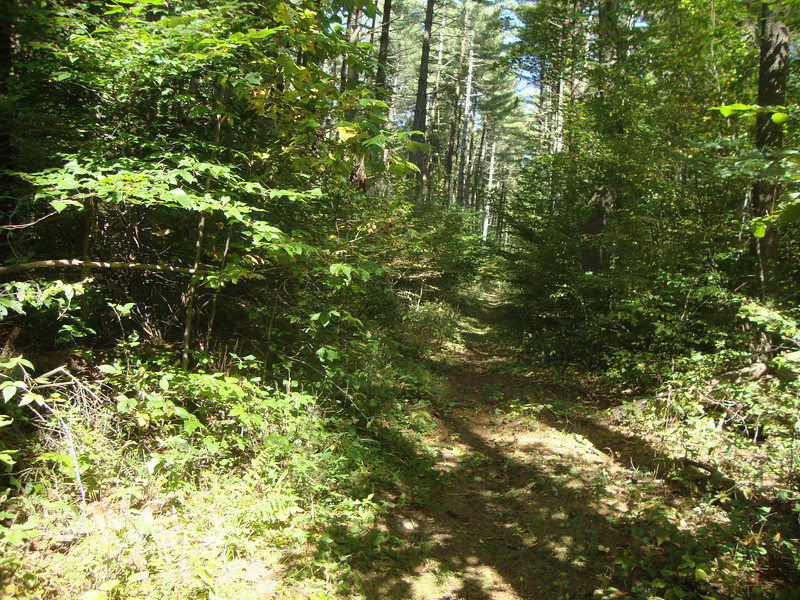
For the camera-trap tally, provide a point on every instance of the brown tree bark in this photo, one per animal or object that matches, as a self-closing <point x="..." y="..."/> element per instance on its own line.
<point x="772" y="75"/>
<point x="418" y="157"/>
<point x="7" y="205"/>
<point x="593" y="254"/>
<point x="383" y="51"/>
<point x="462" y="163"/>
<point x="453" y="136"/>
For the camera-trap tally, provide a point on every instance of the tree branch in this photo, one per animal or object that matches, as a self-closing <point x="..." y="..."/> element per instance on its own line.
<point x="74" y="263"/>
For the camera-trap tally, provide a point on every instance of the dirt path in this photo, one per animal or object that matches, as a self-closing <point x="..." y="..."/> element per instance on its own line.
<point x="521" y="503"/>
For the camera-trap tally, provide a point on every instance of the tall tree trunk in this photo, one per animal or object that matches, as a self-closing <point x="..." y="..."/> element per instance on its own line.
<point x="383" y="51"/>
<point x="343" y="82"/>
<point x="499" y="212"/>
<point x="467" y="192"/>
<point x="772" y="74"/>
<point x="433" y="107"/>
<point x="439" y="62"/>
<point x="462" y="164"/>
<point x="593" y="253"/>
<point x="6" y="150"/>
<point x="451" y="140"/>
<point x="544" y="133"/>
<point x="558" y="115"/>
<point x="421" y="105"/>
<point x="191" y="291"/>
<point x="8" y="203"/>
<point x="490" y="186"/>
<point x="477" y="172"/>
<point x="608" y="26"/>
<point x="351" y="75"/>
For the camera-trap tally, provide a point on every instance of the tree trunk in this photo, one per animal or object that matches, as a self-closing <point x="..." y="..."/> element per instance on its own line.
<point x="421" y="105"/>
<point x="351" y="75"/>
<point x="462" y="163"/>
<point x="191" y="291"/>
<point x="470" y="167"/>
<point x="343" y="74"/>
<point x="772" y="74"/>
<point x="451" y="140"/>
<point x="439" y="61"/>
<point x="383" y="51"/>
<point x="593" y="254"/>
<point x="433" y="108"/>
<point x="6" y="161"/>
<point x="488" y="204"/>
<point x="7" y="203"/>
<point x="477" y="176"/>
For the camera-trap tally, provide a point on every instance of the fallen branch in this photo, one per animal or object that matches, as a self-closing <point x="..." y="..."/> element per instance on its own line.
<point x="74" y="263"/>
<point x="68" y="435"/>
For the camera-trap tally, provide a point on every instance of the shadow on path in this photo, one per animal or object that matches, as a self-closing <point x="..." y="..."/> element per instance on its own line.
<point x="520" y="502"/>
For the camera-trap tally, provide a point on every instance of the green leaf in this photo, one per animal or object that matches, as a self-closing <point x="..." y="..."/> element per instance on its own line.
<point x="14" y="305"/>
<point x="94" y="595"/>
<point x="790" y="214"/>
<point x="211" y="444"/>
<point x="378" y="140"/>
<point x="111" y="584"/>
<point x="342" y="270"/>
<point x="28" y="398"/>
<point x="18" y="533"/>
<point x="700" y="575"/>
<point x="260" y="33"/>
<point x="779" y="118"/>
<point x="288" y="65"/>
<point x="190" y="426"/>
<point x="9" y="391"/>
<point x="758" y="229"/>
<point x="729" y="109"/>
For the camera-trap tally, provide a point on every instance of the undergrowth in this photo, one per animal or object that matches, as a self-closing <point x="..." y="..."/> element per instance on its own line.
<point x="135" y="478"/>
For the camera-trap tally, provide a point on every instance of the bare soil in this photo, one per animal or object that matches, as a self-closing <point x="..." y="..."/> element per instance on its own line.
<point x="527" y="500"/>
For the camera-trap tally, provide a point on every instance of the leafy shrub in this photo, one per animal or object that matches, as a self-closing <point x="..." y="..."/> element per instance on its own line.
<point x="428" y="325"/>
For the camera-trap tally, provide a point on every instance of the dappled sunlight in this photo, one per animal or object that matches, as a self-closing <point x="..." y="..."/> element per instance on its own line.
<point x="528" y="499"/>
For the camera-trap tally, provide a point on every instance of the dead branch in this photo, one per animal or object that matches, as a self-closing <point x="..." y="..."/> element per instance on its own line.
<point x="74" y="263"/>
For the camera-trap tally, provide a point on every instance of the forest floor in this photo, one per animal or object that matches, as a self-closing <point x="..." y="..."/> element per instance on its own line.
<point x="509" y="481"/>
<point x="532" y="484"/>
<point x="527" y="499"/>
<point x="542" y="488"/>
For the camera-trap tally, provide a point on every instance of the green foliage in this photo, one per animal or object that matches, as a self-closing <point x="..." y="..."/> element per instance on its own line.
<point x="16" y="581"/>
<point x="670" y="563"/>
<point x="428" y="325"/>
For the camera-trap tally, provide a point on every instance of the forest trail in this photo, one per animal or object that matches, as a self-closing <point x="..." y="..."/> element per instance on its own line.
<point x="526" y="498"/>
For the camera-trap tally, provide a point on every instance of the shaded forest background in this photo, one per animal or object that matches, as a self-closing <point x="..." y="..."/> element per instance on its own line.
<point x="234" y="234"/>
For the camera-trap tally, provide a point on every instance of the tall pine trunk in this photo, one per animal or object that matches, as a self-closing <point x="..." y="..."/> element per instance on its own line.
<point x="451" y="140"/>
<point x="383" y="51"/>
<point x="7" y="203"/>
<point x="418" y="157"/>
<point x="593" y="254"/>
<point x="462" y="163"/>
<point x="488" y="205"/>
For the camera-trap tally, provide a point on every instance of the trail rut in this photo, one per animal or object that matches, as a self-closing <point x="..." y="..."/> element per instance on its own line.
<point x="523" y="505"/>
